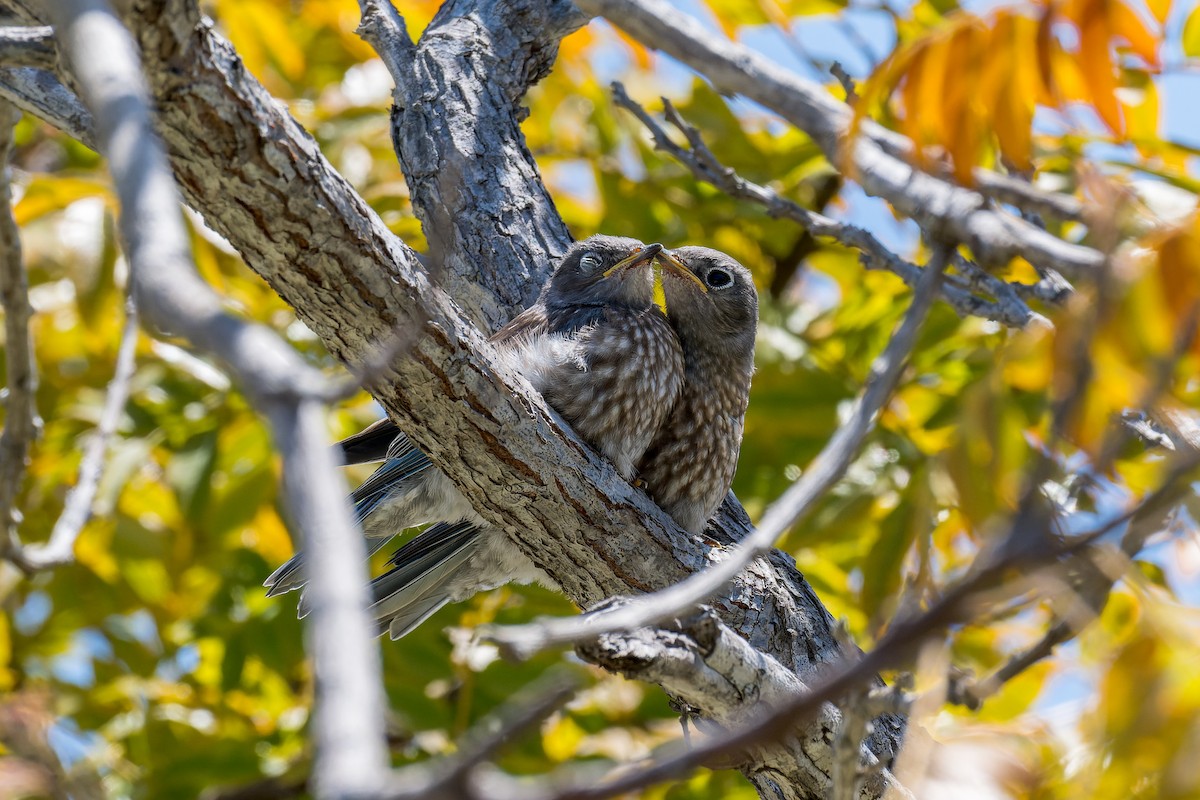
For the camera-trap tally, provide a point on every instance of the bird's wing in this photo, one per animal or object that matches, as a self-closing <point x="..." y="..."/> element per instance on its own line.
<point x="404" y="461"/>
<point x="529" y="322"/>
<point x="369" y="444"/>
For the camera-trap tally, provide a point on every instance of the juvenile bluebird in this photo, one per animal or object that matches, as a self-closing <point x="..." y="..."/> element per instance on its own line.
<point x="713" y="307"/>
<point x="602" y="354"/>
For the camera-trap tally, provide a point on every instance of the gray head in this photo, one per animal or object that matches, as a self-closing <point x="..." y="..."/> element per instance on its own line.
<point x="711" y="301"/>
<point x="604" y="270"/>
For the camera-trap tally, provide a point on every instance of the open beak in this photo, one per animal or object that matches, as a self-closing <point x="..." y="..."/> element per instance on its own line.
<point x="636" y="258"/>
<point x="669" y="261"/>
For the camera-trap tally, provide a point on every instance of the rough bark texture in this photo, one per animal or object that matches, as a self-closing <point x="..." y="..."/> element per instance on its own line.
<point x="705" y="665"/>
<point x="474" y="183"/>
<point x="261" y="181"/>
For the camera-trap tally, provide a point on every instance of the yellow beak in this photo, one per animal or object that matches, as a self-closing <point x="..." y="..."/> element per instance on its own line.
<point x="636" y="258"/>
<point x="666" y="259"/>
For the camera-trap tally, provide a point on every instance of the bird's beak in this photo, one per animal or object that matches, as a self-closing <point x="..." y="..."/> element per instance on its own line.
<point x="640" y="256"/>
<point x="668" y="260"/>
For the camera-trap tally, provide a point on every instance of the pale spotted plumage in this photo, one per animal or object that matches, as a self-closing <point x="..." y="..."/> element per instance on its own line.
<point x="605" y="358"/>
<point x="713" y="307"/>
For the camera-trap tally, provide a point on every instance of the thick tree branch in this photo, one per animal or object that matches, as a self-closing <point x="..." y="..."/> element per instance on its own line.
<point x="942" y="209"/>
<point x="796" y="503"/>
<point x="704" y="664"/>
<point x="28" y="47"/>
<point x="456" y="128"/>
<point x="351" y="757"/>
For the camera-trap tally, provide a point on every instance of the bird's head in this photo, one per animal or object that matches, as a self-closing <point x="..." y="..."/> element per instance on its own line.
<point x="604" y="270"/>
<point x="710" y="299"/>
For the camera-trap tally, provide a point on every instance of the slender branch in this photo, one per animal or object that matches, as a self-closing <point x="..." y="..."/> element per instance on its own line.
<point x="40" y="93"/>
<point x="351" y="755"/>
<point x="454" y="777"/>
<point x="943" y="209"/>
<point x="1009" y="309"/>
<point x="28" y="47"/>
<point x="384" y="29"/>
<point x="785" y="512"/>
<point x="21" y="423"/>
<point x="60" y="549"/>
<point x="903" y="639"/>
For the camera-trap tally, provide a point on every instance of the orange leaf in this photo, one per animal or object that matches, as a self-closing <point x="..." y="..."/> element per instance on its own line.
<point x="1127" y="25"/>
<point x="1096" y="61"/>
<point x="930" y="94"/>
<point x="641" y="55"/>
<point x="964" y="141"/>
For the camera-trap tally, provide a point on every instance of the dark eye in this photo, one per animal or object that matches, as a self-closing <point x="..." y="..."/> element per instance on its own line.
<point x="590" y="261"/>
<point x="718" y="279"/>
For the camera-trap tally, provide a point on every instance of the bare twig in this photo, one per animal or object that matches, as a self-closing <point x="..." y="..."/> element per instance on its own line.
<point x="28" y="47"/>
<point x="900" y="642"/>
<point x="789" y="509"/>
<point x="846" y="80"/>
<point x="1009" y="309"/>
<point x="21" y="423"/>
<point x="351" y="754"/>
<point x="454" y="778"/>
<point x="940" y="207"/>
<point x="60" y="548"/>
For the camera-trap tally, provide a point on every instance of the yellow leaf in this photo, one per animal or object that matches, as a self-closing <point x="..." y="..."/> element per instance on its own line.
<point x="1161" y="9"/>
<point x="563" y="739"/>
<point x="1190" y="40"/>
<point x="45" y="195"/>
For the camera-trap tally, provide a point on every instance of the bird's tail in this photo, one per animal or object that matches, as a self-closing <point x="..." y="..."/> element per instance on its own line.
<point x="292" y="575"/>
<point x="423" y="578"/>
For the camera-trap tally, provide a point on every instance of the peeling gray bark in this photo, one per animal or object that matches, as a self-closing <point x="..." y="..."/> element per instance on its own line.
<point x="706" y="665"/>
<point x="261" y="181"/>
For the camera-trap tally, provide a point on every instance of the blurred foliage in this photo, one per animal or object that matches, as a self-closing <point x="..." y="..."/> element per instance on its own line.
<point x="169" y="673"/>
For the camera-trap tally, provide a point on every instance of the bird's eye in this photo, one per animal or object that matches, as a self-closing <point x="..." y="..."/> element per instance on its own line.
<point x="718" y="279"/>
<point x="590" y="261"/>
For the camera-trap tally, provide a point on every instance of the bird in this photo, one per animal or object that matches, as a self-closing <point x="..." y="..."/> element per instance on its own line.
<point x="713" y="308"/>
<point x="688" y="468"/>
<point x="602" y="353"/>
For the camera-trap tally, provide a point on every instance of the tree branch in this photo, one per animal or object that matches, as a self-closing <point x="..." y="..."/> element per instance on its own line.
<point x="351" y="757"/>
<point x="28" y="47"/>
<point x="1008" y="308"/>
<point x="704" y="664"/>
<point x="790" y="508"/>
<point x="40" y="93"/>
<point x="943" y="209"/>
<point x="60" y="549"/>
<point x="21" y="423"/>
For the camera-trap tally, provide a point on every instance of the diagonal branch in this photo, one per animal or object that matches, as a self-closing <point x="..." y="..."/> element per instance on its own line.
<point x="60" y="549"/>
<point x="1008" y="308"/>
<point x="794" y="505"/>
<point x="351" y="757"/>
<point x="943" y="209"/>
